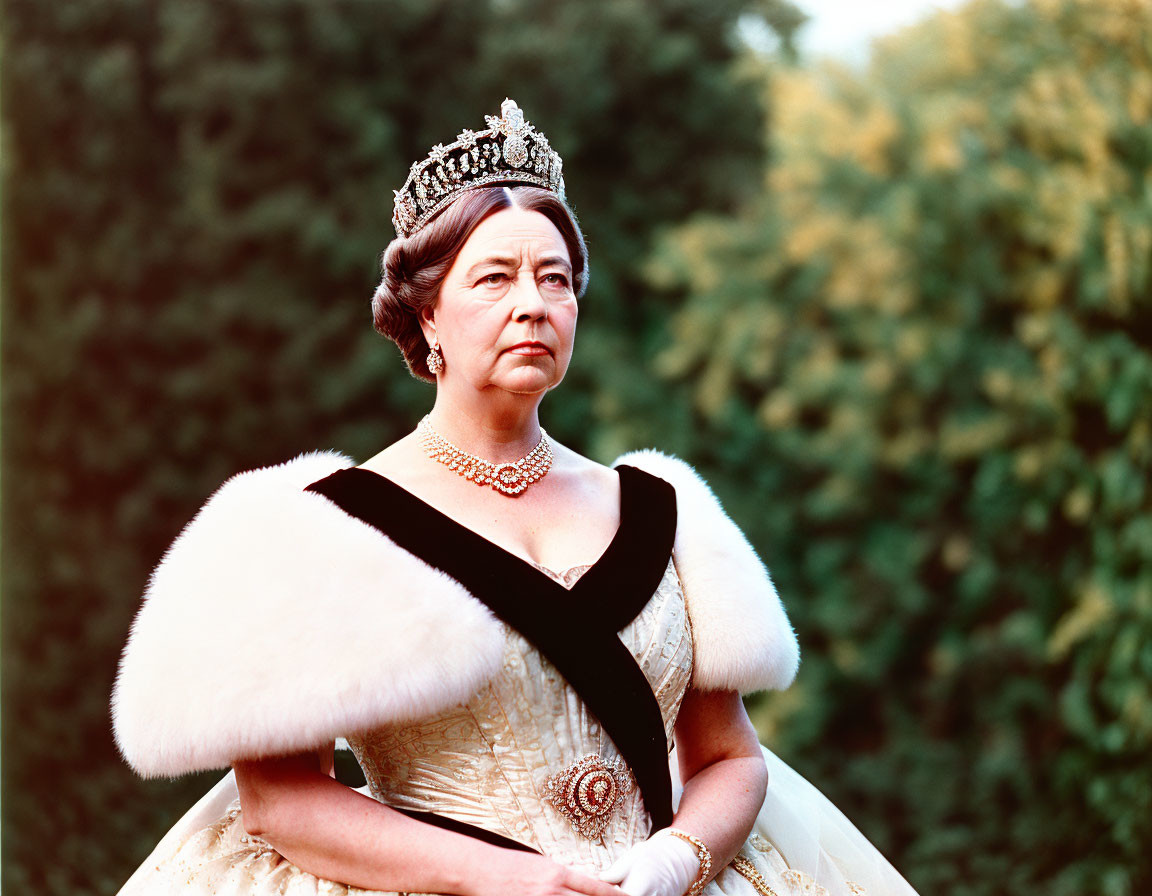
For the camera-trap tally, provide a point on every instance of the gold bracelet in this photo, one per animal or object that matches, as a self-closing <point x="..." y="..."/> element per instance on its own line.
<point x="703" y="854"/>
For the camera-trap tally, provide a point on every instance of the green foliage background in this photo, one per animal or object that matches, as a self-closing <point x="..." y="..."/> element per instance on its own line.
<point x="901" y="318"/>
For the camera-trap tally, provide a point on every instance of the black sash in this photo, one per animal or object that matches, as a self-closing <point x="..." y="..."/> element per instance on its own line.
<point x="460" y="827"/>
<point x="575" y="629"/>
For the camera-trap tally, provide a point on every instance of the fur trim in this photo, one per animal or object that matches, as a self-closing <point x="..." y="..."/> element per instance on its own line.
<point x="741" y="637"/>
<point x="231" y="654"/>
<point x="276" y="623"/>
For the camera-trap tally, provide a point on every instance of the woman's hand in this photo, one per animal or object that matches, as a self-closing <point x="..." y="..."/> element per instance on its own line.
<point x="527" y="874"/>
<point x="662" y="865"/>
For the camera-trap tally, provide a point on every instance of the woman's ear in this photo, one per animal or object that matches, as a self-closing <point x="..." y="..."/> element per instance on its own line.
<point x="428" y="323"/>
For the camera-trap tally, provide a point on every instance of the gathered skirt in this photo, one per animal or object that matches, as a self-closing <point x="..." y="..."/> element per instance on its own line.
<point x="800" y="845"/>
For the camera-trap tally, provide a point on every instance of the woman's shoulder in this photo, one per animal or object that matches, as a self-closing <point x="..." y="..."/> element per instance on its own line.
<point x="399" y="461"/>
<point x="571" y="464"/>
<point x="741" y="633"/>
<point x="276" y="482"/>
<point x="266" y="614"/>
<point x="674" y="470"/>
<point x="694" y="497"/>
<point x="252" y="510"/>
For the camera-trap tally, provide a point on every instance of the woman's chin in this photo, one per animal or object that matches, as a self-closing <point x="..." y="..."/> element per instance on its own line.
<point x="528" y="381"/>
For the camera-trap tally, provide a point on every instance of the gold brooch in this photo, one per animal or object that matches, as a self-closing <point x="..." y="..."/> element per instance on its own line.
<point x="587" y="792"/>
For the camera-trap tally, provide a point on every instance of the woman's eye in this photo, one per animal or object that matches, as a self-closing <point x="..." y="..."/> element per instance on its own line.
<point x="494" y="279"/>
<point x="556" y="279"/>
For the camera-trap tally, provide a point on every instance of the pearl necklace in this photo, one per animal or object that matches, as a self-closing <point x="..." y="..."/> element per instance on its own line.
<point x="507" y="478"/>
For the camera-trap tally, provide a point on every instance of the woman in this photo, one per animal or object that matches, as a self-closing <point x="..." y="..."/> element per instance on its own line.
<point x="509" y="635"/>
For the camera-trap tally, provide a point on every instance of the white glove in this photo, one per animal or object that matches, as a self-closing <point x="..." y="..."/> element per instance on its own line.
<point x="662" y="865"/>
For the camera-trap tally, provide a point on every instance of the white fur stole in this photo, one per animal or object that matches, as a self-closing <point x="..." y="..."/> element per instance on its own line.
<point x="741" y="638"/>
<point x="276" y="623"/>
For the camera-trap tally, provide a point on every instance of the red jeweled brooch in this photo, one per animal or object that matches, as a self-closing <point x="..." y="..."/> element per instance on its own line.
<point x="588" y="792"/>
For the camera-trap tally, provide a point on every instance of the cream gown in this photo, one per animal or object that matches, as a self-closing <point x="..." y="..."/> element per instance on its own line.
<point x="487" y="762"/>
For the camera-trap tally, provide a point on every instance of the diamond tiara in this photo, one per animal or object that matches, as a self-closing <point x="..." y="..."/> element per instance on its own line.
<point x="509" y="151"/>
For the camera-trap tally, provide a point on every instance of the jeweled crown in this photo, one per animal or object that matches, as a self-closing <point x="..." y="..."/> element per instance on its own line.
<point x="509" y="151"/>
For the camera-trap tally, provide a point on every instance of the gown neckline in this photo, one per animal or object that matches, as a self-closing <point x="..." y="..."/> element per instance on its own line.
<point x="552" y="576"/>
<point x="576" y="629"/>
<point x="565" y="576"/>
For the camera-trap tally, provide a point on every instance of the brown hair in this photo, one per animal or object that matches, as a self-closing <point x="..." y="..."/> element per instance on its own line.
<point x="415" y="267"/>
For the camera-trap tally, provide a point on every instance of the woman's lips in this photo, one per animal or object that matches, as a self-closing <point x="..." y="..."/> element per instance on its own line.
<point x="529" y="350"/>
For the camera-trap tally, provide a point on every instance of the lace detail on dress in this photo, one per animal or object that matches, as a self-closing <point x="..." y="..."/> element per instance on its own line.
<point x="568" y="577"/>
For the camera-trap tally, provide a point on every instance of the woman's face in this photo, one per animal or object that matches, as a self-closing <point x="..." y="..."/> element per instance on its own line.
<point x="506" y="314"/>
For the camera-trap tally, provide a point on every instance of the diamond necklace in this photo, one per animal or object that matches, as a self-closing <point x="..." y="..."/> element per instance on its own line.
<point x="508" y="478"/>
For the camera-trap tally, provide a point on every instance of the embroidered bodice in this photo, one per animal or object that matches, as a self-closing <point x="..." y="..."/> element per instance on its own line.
<point x="565" y="749"/>
<point x="487" y="762"/>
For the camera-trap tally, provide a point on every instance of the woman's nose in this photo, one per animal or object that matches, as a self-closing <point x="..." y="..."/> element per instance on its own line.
<point x="530" y="304"/>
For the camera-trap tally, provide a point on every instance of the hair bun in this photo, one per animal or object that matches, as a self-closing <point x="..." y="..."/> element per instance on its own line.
<point x="394" y="268"/>
<point x="391" y="304"/>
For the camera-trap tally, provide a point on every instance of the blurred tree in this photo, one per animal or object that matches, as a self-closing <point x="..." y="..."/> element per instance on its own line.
<point x="195" y="194"/>
<point x="921" y="358"/>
